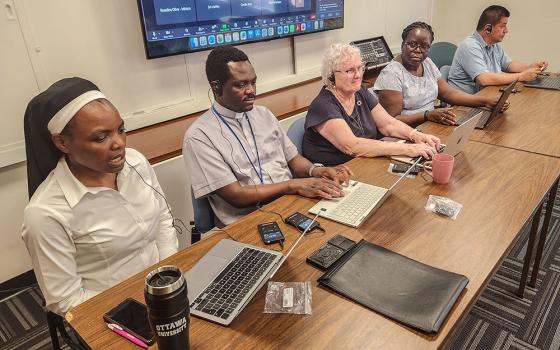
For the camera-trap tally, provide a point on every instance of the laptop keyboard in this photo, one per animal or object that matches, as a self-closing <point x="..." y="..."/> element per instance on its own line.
<point x="546" y="82"/>
<point x="356" y="204"/>
<point x="231" y="286"/>
<point x="471" y="113"/>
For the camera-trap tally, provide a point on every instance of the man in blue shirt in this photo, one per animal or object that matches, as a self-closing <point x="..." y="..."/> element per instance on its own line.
<point x="480" y="59"/>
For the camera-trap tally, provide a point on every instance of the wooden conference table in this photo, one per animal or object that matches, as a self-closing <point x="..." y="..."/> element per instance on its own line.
<point x="500" y="189"/>
<point x="531" y="124"/>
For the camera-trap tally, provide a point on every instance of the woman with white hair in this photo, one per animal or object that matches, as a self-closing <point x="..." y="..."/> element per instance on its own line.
<point x="345" y="120"/>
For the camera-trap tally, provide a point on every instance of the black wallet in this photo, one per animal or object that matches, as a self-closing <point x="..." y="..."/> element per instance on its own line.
<point x="398" y="287"/>
<point x="330" y="252"/>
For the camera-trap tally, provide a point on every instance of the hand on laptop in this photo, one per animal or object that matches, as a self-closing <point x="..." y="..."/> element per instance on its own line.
<point x="313" y="187"/>
<point x="419" y="149"/>
<point x="430" y="140"/>
<point x="442" y="116"/>
<point x="530" y="73"/>
<point x="339" y="174"/>
<point x="541" y="65"/>
<point x="493" y="101"/>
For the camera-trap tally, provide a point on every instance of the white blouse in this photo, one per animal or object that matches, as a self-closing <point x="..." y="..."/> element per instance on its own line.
<point x="83" y="240"/>
<point x="419" y="93"/>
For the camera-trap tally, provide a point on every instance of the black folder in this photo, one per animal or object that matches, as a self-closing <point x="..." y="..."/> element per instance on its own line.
<point x="418" y="295"/>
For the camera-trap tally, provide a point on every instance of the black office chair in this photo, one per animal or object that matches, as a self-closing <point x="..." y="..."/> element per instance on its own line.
<point x="203" y="217"/>
<point x="56" y="324"/>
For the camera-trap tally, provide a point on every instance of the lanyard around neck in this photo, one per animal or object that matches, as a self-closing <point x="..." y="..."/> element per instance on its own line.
<point x="222" y="118"/>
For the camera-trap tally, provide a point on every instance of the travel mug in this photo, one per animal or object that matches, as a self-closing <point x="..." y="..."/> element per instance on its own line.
<point x="168" y="307"/>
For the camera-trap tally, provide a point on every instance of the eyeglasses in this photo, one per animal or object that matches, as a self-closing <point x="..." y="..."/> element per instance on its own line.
<point x="350" y="73"/>
<point x="413" y="46"/>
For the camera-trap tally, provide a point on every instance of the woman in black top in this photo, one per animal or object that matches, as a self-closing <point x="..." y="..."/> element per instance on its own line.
<point x="345" y="120"/>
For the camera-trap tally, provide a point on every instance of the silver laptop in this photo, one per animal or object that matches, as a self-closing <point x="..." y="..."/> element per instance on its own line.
<point x="360" y="201"/>
<point x="226" y="278"/>
<point x="455" y="143"/>
<point x="487" y="114"/>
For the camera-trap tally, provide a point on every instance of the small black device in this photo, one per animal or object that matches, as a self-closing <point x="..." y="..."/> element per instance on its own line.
<point x="513" y="91"/>
<point x="325" y="256"/>
<point x="402" y="168"/>
<point x="300" y="221"/>
<point x="375" y="52"/>
<point x="271" y="233"/>
<point x="132" y="317"/>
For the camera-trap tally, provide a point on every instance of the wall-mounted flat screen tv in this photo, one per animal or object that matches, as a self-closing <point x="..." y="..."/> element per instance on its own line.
<point x="173" y="27"/>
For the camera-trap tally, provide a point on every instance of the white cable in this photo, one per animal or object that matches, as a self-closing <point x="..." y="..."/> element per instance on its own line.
<point x="295" y="244"/>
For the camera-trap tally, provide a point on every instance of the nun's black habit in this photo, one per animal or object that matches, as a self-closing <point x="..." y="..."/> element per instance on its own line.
<point x="42" y="154"/>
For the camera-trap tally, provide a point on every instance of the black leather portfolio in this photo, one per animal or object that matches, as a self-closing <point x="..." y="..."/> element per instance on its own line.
<point x="400" y="288"/>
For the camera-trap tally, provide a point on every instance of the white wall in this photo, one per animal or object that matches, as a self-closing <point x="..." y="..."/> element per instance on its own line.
<point x="533" y="26"/>
<point x="13" y="192"/>
<point x="101" y="40"/>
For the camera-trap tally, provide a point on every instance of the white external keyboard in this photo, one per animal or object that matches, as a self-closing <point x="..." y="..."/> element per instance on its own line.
<point x="359" y="200"/>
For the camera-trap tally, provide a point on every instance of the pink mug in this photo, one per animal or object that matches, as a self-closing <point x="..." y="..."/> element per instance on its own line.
<point x="442" y="166"/>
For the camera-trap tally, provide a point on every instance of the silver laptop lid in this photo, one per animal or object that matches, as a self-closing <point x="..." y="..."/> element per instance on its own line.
<point x="460" y="136"/>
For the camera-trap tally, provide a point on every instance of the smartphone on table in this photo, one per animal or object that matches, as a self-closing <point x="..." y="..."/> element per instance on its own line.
<point x="402" y="168"/>
<point x="271" y="233"/>
<point x="132" y="317"/>
<point x="300" y="221"/>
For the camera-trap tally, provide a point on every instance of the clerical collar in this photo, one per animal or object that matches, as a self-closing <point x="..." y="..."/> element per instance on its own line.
<point x="228" y="113"/>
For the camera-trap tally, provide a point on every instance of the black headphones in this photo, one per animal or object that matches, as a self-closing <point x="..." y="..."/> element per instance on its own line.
<point x="217" y="87"/>
<point x="489" y="28"/>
